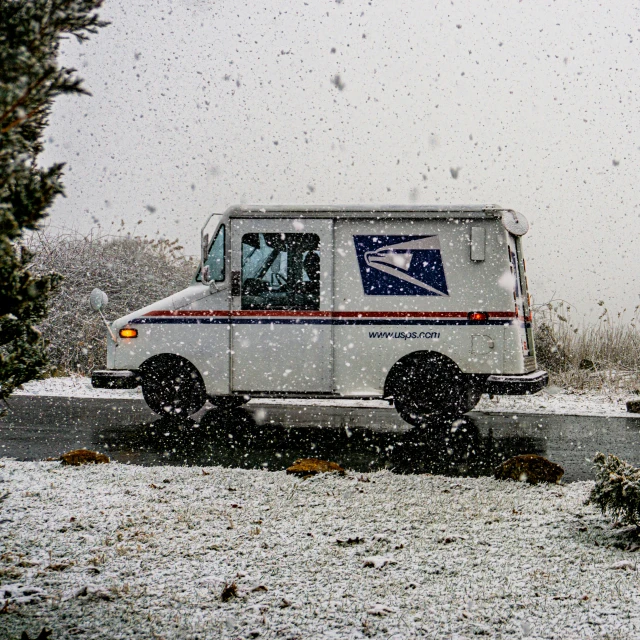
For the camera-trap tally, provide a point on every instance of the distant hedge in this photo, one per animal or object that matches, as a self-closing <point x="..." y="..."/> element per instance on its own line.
<point x="132" y="271"/>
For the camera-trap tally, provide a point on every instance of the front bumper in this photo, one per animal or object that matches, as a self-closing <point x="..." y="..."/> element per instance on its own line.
<point x="115" y="379"/>
<point x="517" y="385"/>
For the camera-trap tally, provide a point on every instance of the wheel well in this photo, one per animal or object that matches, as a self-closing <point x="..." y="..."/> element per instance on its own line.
<point x="395" y="375"/>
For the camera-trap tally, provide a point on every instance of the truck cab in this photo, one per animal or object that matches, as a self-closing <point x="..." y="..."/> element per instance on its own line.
<point x="427" y="307"/>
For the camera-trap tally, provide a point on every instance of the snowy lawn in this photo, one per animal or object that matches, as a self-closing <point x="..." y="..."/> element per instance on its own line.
<point x="116" y="551"/>
<point x="553" y="400"/>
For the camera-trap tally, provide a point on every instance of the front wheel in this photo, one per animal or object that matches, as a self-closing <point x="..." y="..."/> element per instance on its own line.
<point x="471" y="399"/>
<point x="171" y="385"/>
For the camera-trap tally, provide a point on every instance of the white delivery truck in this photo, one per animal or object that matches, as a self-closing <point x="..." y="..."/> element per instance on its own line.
<point x="426" y="306"/>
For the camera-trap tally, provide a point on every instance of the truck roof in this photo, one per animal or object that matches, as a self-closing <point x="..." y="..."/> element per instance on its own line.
<point x="365" y="211"/>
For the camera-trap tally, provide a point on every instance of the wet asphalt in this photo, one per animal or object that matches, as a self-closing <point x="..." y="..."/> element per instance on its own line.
<point x="273" y="436"/>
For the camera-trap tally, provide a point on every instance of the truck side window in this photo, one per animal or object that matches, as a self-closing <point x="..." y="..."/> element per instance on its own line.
<point x="215" y="261"/>
<point x="281" y="271"/>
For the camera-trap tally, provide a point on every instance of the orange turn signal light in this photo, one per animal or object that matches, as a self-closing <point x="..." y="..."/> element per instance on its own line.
<point x="478" y="316"/>
<point x="128" y="332"/>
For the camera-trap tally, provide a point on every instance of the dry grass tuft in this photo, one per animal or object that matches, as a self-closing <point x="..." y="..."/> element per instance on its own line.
<point x="229" y="591"/>
<point x="601" y="356"/>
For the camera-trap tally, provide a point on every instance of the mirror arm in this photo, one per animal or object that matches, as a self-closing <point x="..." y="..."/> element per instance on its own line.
<point x="109" y="329"/>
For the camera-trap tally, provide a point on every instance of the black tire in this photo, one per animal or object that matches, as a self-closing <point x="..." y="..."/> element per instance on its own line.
<point x="228" y="403"/>
<point x="431" y="386"/>
<point x="171" y="385"/>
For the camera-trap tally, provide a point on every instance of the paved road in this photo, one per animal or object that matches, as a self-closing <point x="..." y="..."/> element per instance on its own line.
<point x="272" y="437"/>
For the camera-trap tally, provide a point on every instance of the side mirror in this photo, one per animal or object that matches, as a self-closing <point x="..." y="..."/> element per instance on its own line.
<point x="204" y="254"/>
<point x="98" y="300"/>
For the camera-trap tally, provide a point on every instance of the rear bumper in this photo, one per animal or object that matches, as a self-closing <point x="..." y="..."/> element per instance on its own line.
<point x="115" y="379"/>
<point x="518" y="385"/>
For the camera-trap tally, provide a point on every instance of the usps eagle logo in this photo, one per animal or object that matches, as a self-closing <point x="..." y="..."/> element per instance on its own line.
<point x="401" y="265"/>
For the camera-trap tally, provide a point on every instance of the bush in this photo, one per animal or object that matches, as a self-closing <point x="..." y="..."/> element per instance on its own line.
<point x="606" y="354"/>
<point x="132" y="271"/>
<point x="617" y="489"/>
<point x="550" y="353"/>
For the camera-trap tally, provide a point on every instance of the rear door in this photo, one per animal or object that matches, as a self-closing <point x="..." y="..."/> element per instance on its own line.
<point x="282" y="297"/>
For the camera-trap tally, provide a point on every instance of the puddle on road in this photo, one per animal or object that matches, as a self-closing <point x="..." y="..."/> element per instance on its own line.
<point x="274" y="436"/>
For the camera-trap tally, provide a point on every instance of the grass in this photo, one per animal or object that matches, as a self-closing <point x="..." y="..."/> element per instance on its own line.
<point x="604" y="356"/>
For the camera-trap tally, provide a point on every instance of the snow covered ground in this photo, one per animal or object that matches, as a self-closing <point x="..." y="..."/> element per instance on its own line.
<point x="73" y="387"/>
<point x="117" y="551"/>
<point x="552" y="400"/>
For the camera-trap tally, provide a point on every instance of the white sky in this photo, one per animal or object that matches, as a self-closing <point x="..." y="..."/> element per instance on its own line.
<point x="200" y="104"/>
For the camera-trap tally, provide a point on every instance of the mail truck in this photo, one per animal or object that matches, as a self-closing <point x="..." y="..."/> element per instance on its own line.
<point x="425" y="306"/>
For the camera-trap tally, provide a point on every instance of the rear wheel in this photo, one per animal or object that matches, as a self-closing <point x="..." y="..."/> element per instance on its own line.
<point x="171" y="385"/>
<point x="471" y="398"/>
<point x="431" y="385"/>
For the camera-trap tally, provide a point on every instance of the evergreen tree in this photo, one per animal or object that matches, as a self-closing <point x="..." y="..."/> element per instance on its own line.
<point x="30" y="79"/>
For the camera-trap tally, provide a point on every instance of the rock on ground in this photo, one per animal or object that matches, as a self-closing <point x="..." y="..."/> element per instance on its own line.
<point x="633" y="406"/>
<point x="529" y="468"/>
<point x="116" y="551"/>
<point x="83" y="456"/>
<point x="311" y="466"/>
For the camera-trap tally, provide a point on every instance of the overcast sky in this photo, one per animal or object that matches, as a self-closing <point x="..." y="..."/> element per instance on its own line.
<point x="200" y="104"/>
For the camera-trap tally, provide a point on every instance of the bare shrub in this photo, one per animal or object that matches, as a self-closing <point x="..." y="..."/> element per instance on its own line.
<point x="617" y="489"/>
<point x="603" y="355"/>
<point x="132" y="271"/>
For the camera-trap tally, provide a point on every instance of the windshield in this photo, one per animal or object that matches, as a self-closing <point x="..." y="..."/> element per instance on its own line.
<point x="215" y="234"/>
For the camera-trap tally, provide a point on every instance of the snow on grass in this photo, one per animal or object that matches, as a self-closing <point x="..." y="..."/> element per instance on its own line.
<point x="123" y="550"/>
<point x="556" y="401"/>
<point x="73" y="387"/>
<point x="549" y="401"/>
